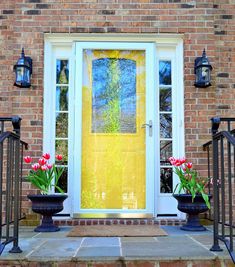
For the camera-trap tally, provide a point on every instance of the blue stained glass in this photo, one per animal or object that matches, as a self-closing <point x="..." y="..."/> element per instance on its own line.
<point x="165" y="72"/>
<point x="113" y="95"/>
<point x="62" y="71"/>
<point x="62" y="97"/>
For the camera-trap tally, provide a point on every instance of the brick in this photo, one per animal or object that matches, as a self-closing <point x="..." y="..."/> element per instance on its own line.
<point x="10" y="11"/>
<point x="173" y="263"/>
<point x="43" y="6"/>
<point x="187" y="6"/>
<point x="33" y="12"/>
<point x="140" y="264"/>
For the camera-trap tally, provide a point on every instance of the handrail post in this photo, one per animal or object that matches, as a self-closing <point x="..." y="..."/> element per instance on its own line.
<point x="16" y="122"/>
<point x="16" y="248"/>
<point x="214" y="129"/>
<point x="10" y="177"/>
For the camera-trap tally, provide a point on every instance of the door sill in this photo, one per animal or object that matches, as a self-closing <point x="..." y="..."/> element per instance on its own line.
<point x="112" y="215"/>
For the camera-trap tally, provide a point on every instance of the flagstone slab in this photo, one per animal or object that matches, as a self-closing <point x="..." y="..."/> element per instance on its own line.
<point x="100" y="241"/>
<point x="99" y="253"/>
<point x="56" y="249"/>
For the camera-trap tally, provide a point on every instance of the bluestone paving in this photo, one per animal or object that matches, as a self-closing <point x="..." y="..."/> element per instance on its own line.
<point x="100" y="253"/>
<point x="177" y="245"/>
<point x="57" y="249"/>
<point x="101" y="241"/>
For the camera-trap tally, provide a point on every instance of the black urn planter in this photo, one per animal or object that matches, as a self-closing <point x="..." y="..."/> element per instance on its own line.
<point x="47" y="206"/>
<point x="193" y="209"/>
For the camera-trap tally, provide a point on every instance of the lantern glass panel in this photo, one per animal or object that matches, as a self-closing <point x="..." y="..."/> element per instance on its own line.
<point x="19" y="74"/>
<point x="26" y="75"/>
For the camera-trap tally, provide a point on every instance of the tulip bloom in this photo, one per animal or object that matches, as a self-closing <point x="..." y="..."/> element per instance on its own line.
<point x="42" y="161"/>
<point x="27" y="159"/>
<point x="44" y="167"/>
<point x="59" y="157"/>
<point x="36" y="166"/>
<point x="49" y="166"/>
<point x="46" y="156"/>
<point x="189" y="165"/>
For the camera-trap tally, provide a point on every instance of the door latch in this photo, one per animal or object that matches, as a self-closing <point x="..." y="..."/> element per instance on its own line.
<point x="150" y="127"/>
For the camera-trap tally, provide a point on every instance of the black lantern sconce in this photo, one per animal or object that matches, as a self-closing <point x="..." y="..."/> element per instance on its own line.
<point x="23" y="70"/>
<point x="202" y="70"/>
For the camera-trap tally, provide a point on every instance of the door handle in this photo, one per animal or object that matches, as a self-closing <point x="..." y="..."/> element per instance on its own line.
<point x="150" y="126"/>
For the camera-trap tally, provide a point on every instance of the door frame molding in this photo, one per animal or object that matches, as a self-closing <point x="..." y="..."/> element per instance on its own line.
<point x="60" y="40"/>
<point x="150" y="67"/>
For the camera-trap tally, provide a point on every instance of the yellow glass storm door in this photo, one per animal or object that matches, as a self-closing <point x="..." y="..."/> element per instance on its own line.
<point x="116" y="176"/>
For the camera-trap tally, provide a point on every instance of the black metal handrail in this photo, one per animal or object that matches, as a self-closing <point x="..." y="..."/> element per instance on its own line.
<point x="221" y="156"/>
<point x="11" y="162"/>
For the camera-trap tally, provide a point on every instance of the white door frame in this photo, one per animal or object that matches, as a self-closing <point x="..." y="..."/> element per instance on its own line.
<point x="149" y="49"/>
<point x="59" y="42"/>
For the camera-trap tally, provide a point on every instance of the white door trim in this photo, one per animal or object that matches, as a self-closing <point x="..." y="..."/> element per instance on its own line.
<point x="59" y="42"/>
<point x="150" y="65"/>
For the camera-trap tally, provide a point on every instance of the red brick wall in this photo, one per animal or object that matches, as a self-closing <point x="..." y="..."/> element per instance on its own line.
<point x="205" y="24"/>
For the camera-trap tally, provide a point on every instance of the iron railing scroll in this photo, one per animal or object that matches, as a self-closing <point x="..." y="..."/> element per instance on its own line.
<point x="221" y="156"/>
<point x="11" y="162"/>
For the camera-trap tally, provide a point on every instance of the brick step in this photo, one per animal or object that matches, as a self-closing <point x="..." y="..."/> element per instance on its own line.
<point x="72" y="222"/>
<point x="122" y="263"/>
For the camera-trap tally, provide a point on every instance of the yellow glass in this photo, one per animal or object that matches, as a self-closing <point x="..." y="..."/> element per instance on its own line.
<point x="113" y="142"/>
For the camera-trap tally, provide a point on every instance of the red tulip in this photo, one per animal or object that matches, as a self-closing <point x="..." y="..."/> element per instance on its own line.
<point x="49" y="166"/>
<point x="42" y="161"/>
<point x="183" y="160"/>
<point x="27" y="159"/>
<point x="36" y="167"/>
<point x="44" y="167"/>
<point x="189" y="165"/>
<point x="59" y="157"/>
<point x="46" y="156"/>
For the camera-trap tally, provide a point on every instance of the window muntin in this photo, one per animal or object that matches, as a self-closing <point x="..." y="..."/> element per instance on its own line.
<point x="61" y="117"/>
<point x="165" y="113"/>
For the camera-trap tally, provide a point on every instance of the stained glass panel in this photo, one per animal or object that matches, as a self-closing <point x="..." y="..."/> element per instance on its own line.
<point x="61" y="124"/>
<point x="63" y="181"/>
<point x="62" y="71"/>
<point x="62" y="98"/>
<point x="165" y="72"/>
<point x="61" y="147"/>
<point x="113" y="95"/>
<point x="165" y="151"/>
<point x="166" y="180"/>
<point x="165" y="125"/>
<point x="165" y="99"/>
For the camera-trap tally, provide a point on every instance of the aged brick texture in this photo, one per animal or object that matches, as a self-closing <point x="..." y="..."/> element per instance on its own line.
<point x="205" y="24"/>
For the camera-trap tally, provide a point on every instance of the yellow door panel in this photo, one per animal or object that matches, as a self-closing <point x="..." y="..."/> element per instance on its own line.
<point x="113" y="142"/>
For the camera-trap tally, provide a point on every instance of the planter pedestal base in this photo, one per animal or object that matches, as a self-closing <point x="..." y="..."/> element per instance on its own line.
<point x="47" y="225"/>
<point x="193" y="224"/>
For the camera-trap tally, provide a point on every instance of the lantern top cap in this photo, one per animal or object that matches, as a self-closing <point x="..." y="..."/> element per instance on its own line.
<point x="24" y="61"/>
<point x="203" y="61"/>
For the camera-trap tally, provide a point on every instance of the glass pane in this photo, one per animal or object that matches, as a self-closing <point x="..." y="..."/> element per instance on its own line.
<point x="62" y="96"/>
<point x="165" y="125"/>
<point x="62" y="71"/>
<point x="165" y="72"/>
<point x="165" y="152"/>
<point x="63" y="181"/>
<point x="113" y="95"/>
<point x="61" y="124"/>
<point x="166" y="180"/>
<point x="113" y="157"/>
<point x="165" y="99"/>
<point x="61" y="147"/>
